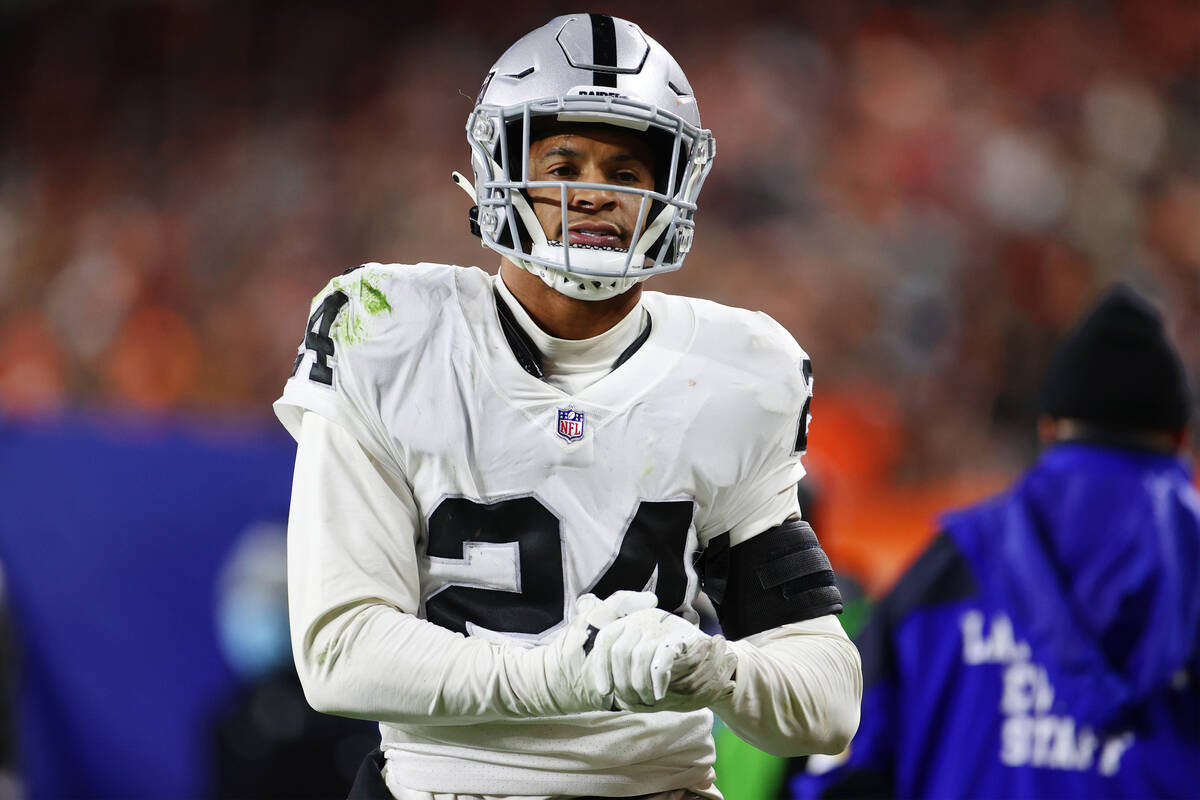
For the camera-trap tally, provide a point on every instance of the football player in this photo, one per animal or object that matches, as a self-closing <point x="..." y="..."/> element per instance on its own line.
<point x="511" y="489"/>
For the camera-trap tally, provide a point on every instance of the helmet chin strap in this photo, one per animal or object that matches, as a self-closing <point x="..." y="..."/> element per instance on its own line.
<point x="462" y="182"/>
<point x="577" y="286"/>
<point x="662" y="220"/>
<point x="532" y="226"/>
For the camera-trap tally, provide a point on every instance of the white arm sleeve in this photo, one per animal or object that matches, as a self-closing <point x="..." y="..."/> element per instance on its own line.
<point x="353" y="588"/>
<point x="798" y="689"/>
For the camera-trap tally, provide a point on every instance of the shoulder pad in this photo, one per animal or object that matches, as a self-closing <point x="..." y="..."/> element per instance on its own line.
<point x="752" y="342"/>
<point x="381" y="297"/>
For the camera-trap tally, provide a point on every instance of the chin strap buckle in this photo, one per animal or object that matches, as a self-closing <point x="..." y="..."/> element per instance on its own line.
<point x="473" y="221"/>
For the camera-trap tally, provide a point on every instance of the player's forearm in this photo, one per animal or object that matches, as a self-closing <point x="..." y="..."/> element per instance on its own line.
<point x="798" y="689"/>
<point x="374" y="662"/>
<point x="351" y="571"/>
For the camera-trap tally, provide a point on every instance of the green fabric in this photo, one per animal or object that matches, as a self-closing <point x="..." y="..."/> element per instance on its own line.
<point x="744" y="772"/>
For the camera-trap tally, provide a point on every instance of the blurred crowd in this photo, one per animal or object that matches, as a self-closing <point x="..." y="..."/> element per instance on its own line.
<point x="925" y="194"/>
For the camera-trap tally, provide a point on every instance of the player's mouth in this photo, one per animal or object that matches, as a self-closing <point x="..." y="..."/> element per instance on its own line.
<point x="595" y="234"/>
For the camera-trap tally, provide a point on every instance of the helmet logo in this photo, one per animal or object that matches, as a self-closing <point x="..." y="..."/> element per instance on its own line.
<point x="598" y="93"/>
<point x="570" y="424"/>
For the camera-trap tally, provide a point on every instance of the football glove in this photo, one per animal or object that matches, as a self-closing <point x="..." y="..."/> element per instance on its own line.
<point x="700" y="676"/>
<point x="651" y="660"/>
<point x="563" y="661"/>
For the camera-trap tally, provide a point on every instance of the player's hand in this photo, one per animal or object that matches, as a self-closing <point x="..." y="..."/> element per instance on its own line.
<point x="655" y="661"/>
<point x="566" y="658"/>
<point x="700" y="676"/>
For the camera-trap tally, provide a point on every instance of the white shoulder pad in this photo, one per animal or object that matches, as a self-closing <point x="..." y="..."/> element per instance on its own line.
<point x="363" y="328"/>
<point x="756" y="385"/>
<point x="755" y="352"/>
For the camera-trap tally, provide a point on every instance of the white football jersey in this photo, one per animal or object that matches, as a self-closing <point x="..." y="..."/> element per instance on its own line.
<point x="528" y="497"/>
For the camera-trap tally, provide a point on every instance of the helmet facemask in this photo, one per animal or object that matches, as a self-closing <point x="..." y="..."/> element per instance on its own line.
<point x="665" y="226"/>
<point x="582" y="70"/>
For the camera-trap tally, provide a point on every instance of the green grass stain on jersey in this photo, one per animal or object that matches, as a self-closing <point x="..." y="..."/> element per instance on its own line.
<point x="348" y="327"/>
<point x="373" y="300"/>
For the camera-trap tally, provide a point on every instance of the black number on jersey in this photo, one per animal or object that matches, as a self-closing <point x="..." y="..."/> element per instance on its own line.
<point x="523" y="521"/>
<point x="802" y="435"/>
<point x="317" y="338"/>
<point x="651" y="553"/>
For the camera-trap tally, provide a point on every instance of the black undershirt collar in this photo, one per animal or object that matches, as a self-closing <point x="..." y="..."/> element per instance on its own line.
<point x="526" y="351"/>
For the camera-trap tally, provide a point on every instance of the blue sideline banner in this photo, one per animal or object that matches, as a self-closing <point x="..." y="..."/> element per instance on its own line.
<point x="113" y="536"/>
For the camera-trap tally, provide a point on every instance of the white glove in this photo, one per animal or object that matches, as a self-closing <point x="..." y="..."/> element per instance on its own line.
<point x="701" y="676"/>
<point x="652" y="660"/>
<point x="561" y="663"/>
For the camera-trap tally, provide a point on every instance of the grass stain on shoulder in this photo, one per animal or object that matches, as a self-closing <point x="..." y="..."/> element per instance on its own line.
<point x="348" y="328"/>
<point x="373" y="300"/>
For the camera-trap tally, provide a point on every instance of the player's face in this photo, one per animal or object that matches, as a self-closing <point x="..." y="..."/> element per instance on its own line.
<point x="596" y="217"/>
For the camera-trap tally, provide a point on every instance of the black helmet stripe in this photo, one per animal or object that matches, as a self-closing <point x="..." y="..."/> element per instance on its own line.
<point x="604" y="49"/>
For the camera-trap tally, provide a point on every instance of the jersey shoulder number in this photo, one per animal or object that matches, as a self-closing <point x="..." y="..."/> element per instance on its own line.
<point x="340" y="315"/>
<point x="360" y="330"/>
<point x="376" y="307"/>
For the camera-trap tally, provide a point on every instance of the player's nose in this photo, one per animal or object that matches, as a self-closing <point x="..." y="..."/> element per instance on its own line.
<point x="592" y="199"/>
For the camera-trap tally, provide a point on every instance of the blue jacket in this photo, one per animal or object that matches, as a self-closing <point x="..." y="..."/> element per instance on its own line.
<point x="1046" y="645"/>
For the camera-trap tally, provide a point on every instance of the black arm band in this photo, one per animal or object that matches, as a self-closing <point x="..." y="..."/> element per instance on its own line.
<point x="779" y="576"/>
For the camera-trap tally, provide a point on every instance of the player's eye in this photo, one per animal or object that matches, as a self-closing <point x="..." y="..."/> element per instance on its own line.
<point x="561" y="171"/>
<point x="628" y="176"/>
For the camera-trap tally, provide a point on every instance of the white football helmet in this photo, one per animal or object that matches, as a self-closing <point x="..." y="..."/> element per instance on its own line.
<point x="587" y="68"/>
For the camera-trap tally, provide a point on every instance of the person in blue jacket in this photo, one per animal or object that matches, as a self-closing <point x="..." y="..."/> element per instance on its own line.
<point x="1047" y="643"/>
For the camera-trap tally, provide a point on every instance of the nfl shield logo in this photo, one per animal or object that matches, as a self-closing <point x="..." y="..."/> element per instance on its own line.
<point x="570" y="424"/>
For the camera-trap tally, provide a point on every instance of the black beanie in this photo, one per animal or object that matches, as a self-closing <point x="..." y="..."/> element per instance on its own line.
<point x="1117" y="370"/>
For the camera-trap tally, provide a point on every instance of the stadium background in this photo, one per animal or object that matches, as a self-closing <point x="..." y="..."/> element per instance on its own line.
<point x="924" y="193"/>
